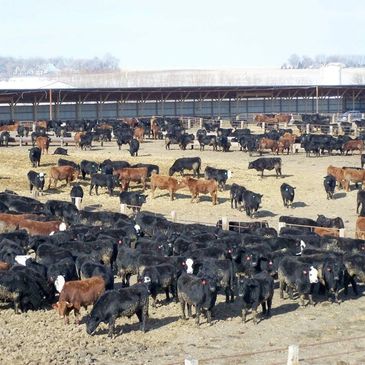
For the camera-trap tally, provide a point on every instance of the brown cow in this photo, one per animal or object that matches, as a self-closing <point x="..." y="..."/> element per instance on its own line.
<point x="360" y="228"/>
<point x="165" y="183"/>
<point x="138" y="134"/>
<point x="43" y="144"/>
<point x="337" y="173"/>
<point x="353" y="146"/>
<point x="9" y="127"/>
<point x="267" y="143"/>
<point x="197" y="186"/>
<point x="128" y="174"/>
<point x="35" y="228"/>
<point x="155" y="129"/>
<point x="4" y="266"/>
<point x="76" y="294"/>
<point x="59" y="173"/>
<point x="77" y="138"/>
<point x="352" y="175"/>
<point x="324" y="231"/>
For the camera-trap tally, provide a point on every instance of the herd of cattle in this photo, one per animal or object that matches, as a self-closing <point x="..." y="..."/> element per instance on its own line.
<point x="54" y="255"/>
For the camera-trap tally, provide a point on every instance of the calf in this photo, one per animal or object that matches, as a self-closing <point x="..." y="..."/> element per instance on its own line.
<point x="186" y="163"/>
<point x="43" y="144"/>
<point x="360" y="201"/>
<point x="329" y="184"/>
<point x="197" y="186"/>
<point x="90" y="269"/>
<point x="76" y="192"/>
<point x="77" y="294"/>
<point x="158" y="277"/>
<point x="236" y="194"/>
<point x="287" y="194"/>
<point x="323" y="221"/>
<point x="165" y="183"/>
<point x="134" y="147"/>
<point x="337" y="173"/>
<point x="128" y="174"/>
<point x="117" y="303"/>
<point x="60" y="151"/>
<point x="36" y="180"/>
<point x="200" y="291"/>
<point x="88" y="168"/>
<point x="293" y="274"/>
<point x="353" y="146"/>
<point x="259" y="289"/>
<point x="59" y="173"/>
<point x="352" y="175"/>
<point x="63" y="162"/>
<point x="207" y="140"/>
<point x="266" y="143"/>
<point x="219" y="175"/>
<point x="362" y="160"/>
<point x="270" y="163"/>
<point x="35" y="156"/>
<point x="251" y="202"/>
<point x="132" y="199"/>
<point x="107" y="181"/>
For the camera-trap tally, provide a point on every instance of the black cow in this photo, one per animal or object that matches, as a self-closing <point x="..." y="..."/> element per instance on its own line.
<point x="337" y="222"/>
<point x="287" y="194"/>
<point x="86" y="141"/>
<point x="207" y="140"/>
<point x="4" y="138"/>
<point x="259" y="289"/>
<point x="133" y="199"/>
<point x="76" y="192"/>
<point x="355" y="264"/>
<point x="108" y="181"/>
<point x="64" y="210"/>
<point x="298" y="221"/>
<point x="329" y="184"/>
<point x="88" y="168"/>
<point x="133" y="147"/>
<point x="268" y="163"/>
<point x="362" y="160"/>
<point x="64" y="267"/>
<point x="35" y="156"/>
<point x="360" y="200"/>
<point x="158" y="277"/>
<point x="200" y="291"/>
<point x="219" y="175"/>
<point x="60" y="151"/>
<point x="251" y="202"/>
<point x="294" y="274"/>
<point x="36" y="180"/>
<point x="186" y="163"/>
<point x="63" y="162"/>
<point x="89" y="269"/>
<point x="236" y="193"/>
<point x="117" y="303"/>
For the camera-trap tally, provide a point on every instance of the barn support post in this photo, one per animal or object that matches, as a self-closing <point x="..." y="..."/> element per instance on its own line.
<point x="12" y="111"/>
<point x="50" y="105"/>
<point x="293" y="355"/>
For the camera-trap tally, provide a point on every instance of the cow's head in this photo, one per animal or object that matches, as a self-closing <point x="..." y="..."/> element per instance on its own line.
<point x="59" y="283"/>
<point x="189" y="266"/>
<point x="313" y="275"/>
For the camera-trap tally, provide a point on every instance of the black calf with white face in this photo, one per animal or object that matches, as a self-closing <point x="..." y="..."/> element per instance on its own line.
<point x="36" y="180"/>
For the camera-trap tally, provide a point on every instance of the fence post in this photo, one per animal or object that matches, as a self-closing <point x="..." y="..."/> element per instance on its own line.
<point x="349" y="119"/>
<point x="173" y="216"/>
<point x="61" y="141"/>
<point x="280" y="226"/>
<point x="307" y="129"/>
<point x="189" y="123"/>
<point x="225" y="225"/>
<point x="362" y="115"/>
<point x="33" y="127"/>
<point x="334" y="118"/>
<point x="78" y="203"/>
<point x="220" y="123"/>
<point x="20" y="141"/>
<point x="242" y="124"/>
<point x="123" y="208"/>
<point x="331" y="130"/>
<point x="293" y="355"/>
<point x="263" y="125"/>
<point x="342" y="232"/>
<point x="189" y="360"/>
<point x="200" y="122"/>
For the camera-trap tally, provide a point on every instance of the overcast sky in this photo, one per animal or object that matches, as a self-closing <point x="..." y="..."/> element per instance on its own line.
<point x="168" y="34"/>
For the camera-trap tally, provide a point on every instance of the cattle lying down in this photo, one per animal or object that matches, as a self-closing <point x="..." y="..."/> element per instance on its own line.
<point x="259" y="289"/>
<point x="77" y="294"/>
<point x="117" y="303"/>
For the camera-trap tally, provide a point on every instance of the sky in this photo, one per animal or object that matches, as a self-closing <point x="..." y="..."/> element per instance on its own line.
<point x="169" y="34"/>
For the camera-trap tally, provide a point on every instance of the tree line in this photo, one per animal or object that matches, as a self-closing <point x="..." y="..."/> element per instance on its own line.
<point x="299" y="62"/>
<point x="38" y="66"/>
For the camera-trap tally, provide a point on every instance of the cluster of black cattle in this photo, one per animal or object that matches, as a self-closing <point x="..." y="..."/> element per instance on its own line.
<point x="192" y="262"/>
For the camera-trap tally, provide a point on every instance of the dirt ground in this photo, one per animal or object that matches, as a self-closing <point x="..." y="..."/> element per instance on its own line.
<point x="326" y="333"/>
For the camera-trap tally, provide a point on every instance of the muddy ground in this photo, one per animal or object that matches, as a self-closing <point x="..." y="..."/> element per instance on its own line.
<point x="335" y="331"/>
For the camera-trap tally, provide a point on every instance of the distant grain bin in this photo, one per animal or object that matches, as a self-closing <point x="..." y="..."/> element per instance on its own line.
<point x="331" y="74"/>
